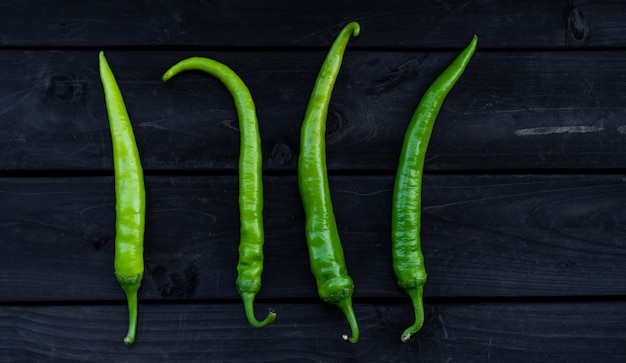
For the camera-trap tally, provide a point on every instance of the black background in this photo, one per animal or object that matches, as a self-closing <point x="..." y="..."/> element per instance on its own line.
<point x="524" y="197"/>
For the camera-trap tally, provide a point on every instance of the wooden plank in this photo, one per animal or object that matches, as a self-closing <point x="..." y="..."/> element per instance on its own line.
<point x="281" y="23"/>
<point x="521" y="110"/>
<point x="483" y="235"/>
<point x="513" y="332"/>
<point x="523" y="202"/>
<point x="395" y="23"/>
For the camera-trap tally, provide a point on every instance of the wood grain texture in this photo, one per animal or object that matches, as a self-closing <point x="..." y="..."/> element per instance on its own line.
<point x="510" y="110"/>
<point x="523" y="200"/>
<point x="282" y="23"/>
<point x="515" y="332"/>
<point x="482" y="236"/>
<point x="277" y="23"/>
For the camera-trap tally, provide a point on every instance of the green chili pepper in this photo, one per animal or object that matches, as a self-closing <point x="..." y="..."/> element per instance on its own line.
<point x="130" y="197"/>
<point x="408" y="260"/>
<point x="250" y="265"/>
<point x="328" y="266"/>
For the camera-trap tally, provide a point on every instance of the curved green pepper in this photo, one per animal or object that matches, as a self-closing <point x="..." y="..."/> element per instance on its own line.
<point x="328" y="266"/>
<point x="408" y="260"/>
<point x="250" y="265"/>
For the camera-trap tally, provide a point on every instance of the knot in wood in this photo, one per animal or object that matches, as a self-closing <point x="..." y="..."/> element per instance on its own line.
<point x="66" y="87"/>
<point x="577" y="27"/>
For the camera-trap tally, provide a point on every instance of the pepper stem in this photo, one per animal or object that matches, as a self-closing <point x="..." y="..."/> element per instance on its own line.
<point x="131" y="296"/>
<point x="248" y="299"/>
<point x="348" y="311"/>
<point x="418" y="307"/>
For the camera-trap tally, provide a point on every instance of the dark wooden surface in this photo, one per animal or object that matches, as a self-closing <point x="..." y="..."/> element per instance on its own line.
<point x="524" y="202"/>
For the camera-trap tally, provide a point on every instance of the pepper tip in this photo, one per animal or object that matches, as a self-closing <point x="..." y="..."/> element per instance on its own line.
<point x="101" y="57"/>
<point x="248" y="299"/>
<point x="356" y="28"/>
<point x="350" y="339"/>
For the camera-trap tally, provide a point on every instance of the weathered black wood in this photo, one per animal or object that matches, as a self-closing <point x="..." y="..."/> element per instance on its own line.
<point x="516" y="110"/>
<point x="523" y="204"/>
<point x="396" y="23"/>
<point x="487" y="236"/>
<point x="514" y="332"/>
